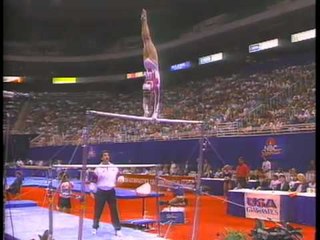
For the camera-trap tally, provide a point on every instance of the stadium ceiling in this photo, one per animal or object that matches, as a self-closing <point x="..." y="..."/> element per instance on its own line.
<point x="120" y="18"/>
<point x="107" y="21"/>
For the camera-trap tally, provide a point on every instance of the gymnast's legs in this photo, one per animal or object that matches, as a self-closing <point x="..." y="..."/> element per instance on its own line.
<point x="149" y="50"/>
<point x="148" y="102"/>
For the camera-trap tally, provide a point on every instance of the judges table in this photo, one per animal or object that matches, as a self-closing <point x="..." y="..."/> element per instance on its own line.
<point x="273" y="205"/>
<point x="215" y="185"/>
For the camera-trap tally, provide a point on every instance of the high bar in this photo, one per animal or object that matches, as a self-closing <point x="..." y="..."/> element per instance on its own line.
<point x="31" y="167"/>
<point x="104" y="165"/>
<point x="140" y="118"/>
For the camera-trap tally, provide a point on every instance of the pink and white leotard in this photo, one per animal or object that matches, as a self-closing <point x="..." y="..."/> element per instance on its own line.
<point x="152" y="80"/>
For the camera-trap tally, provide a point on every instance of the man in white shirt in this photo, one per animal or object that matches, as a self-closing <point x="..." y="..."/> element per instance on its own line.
<point x="173" y="168"/>
<point x="266" y="167"/>
<point x="106" y="179"/>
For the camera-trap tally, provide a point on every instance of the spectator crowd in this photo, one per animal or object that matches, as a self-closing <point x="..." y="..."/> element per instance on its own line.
<point x="264" y="100"/>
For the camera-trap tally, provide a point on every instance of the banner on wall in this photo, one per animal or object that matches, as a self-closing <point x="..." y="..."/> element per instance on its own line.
<point x="274" y="148"/>
<point x="262" y="206"/>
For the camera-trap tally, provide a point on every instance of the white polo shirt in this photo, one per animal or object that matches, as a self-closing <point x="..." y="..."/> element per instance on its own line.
<point x="266" y="167"/>
<point x="107" y="177"/>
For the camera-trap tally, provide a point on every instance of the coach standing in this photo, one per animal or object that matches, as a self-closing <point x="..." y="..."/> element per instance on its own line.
<point x="242" y="173"/>
<point x="106" y="178"/>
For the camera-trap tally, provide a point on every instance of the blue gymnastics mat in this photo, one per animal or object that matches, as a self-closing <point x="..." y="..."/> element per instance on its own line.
<point x="20" y="203"/>
<point x="26" y="223"/>
<point x="44" y="183"/>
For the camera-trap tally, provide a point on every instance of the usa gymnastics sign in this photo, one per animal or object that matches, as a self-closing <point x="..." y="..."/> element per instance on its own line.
<point x="262" y="206"/>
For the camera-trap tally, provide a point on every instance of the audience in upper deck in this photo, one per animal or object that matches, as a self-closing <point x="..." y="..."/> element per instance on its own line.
<point x="264" y="100"/>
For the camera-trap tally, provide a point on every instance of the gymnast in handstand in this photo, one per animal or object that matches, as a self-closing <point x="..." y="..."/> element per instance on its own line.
<point x="151" y="86"/>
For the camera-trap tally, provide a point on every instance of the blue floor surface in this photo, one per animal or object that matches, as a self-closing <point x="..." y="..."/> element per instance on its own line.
<point x="28" y="222"/>
<point x="44" y="183"/>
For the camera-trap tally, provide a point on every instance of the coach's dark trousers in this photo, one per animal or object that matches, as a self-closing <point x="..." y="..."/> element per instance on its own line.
<point x="242" y="182"/>
<point x="101" y="197"/>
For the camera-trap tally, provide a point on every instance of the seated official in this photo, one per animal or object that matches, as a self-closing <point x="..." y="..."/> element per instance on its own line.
<point x="218" y="173"/>
<point x="292" y="182"/>
<point x="283" y="183"/>
<point x="260" y="173"/>
<point x="301" y="185"/>
<point x="274" y="182"/>
<point x="15" y="187"/>
<point x="312" y="183"/>
<point x="29" y="162"/>
<point x="179" y="198"/>
<point x="207" y="169"/>
<point x="293" y="174"/>
<point x="264" y="183"/>
<point x="227" y="175"/>
<point x="19" y="163"/>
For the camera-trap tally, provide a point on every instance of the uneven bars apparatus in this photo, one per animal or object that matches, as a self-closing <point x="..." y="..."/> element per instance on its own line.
<point x="152" y="120"/>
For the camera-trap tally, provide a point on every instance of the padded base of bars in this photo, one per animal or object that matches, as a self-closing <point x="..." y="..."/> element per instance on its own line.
<point x="143" y="223"/>
<point x="20" y="204"/>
